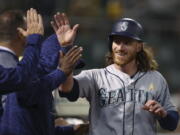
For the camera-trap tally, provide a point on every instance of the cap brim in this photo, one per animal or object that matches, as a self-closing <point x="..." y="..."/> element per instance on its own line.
<point x="125" y="34"/>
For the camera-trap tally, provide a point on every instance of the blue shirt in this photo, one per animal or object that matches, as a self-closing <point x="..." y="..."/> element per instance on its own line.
<point x="12" y="79"/>
<point x="30" y="111"/>
<point x="7" y="59"/>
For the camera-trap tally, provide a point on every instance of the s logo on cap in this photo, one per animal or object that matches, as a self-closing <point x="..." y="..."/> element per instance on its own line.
<point x="123" y="26"/>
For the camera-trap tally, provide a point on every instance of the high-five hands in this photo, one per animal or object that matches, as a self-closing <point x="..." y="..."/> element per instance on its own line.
<point x="63" y="30"/>
<point x="34" y="24"/>
<point x="68" y="60"/>
<point x="155" y="108"/>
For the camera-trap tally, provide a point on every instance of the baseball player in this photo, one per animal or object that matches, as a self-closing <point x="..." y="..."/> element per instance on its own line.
<point x="129" y="96"/>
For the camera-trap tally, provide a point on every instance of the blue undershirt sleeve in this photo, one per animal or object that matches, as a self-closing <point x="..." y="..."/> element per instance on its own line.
<point x="46" y="84"/>
<point x="64" y="130"/>
<point x="73" y="94"/>
<point x="170" y="122"/>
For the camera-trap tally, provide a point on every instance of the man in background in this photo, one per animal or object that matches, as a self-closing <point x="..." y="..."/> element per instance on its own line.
<point x="28" y="111"/>
<point x="12" y="42"/>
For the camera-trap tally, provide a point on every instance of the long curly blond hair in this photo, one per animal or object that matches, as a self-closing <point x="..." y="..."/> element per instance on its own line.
<point x="145" y="59"/>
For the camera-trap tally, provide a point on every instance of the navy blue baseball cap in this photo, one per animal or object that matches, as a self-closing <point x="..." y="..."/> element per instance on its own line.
<point x="126" y="27"/>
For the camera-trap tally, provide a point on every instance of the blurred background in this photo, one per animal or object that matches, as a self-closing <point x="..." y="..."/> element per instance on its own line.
<point x="160" y="19"/>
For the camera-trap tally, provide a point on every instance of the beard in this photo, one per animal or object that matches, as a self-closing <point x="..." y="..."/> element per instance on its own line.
<point x="124" y="59"/>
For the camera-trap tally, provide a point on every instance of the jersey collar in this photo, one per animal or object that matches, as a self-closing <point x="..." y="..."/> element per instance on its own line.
<point x="122" y="75"/>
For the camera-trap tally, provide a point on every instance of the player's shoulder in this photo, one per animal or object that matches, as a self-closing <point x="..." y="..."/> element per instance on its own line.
<point x="95" y="70"/>
<point x="154" y="74"/>
<point x="92" y="72"/>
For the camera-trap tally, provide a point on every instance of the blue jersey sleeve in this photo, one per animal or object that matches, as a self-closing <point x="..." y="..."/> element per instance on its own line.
<point x="38" y="86"/>
<point x="12" y="79"/>
<point x="49" y="56"/>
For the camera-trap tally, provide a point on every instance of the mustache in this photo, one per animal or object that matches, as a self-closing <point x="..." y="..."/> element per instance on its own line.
<point x="118" y="50"/>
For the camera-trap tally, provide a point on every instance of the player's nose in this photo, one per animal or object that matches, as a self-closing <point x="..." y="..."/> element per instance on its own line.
<point x="120" y="46"/>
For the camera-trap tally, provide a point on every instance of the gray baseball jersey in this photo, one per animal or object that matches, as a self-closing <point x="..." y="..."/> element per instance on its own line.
<point x="116" y="100"/>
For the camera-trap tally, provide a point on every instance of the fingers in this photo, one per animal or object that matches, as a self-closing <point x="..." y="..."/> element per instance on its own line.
<point x="41" y="25"/>
<point x="60" y="19"/>
<point x="75" y="28"/>
<point x="74" y="50"/>
<point x="57" y="19"/>
<point x="61" y="26"/>
<point x="158" y="110"/>
<point x="161" y="112"/>
<point x="65" y="18"/>
<point x="28" y="21"/>
<point x="32" y="15"/>
<point x="149" y="103"/>
<point x="68" y="61"/>
<point x="155" y="108"/>
<point x="34" y="22"/>
<point x="71" y="50"/>
<point x="74" y="54"/>
<point x="54" y="25"/>
<point x="61" y="54"/>
<point x="40" y="20"/>
<point x="22" y="31"/>
<point x="145" y="107"/>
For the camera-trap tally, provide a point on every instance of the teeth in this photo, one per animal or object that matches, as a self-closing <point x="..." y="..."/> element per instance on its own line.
<point x="121" y="54"/>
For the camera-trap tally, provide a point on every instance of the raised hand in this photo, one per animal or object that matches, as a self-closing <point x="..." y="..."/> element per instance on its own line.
<point x="155" y="108"/>
<point x="34" y="24"/>
<point x="67" y="61"/>
<point x="63" y="30"/>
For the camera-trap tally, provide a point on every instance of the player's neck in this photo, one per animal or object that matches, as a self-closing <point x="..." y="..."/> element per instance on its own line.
<point x="130" y="68"/>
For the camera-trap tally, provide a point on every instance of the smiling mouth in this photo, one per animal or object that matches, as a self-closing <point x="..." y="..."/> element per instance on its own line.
<point x="121" y="54"/>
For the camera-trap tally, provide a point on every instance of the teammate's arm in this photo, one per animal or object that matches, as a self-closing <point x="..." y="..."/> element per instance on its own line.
<point x="11" y="79"/>
<point x="49" y="82"/>
<point x="69" y="83"/>
<point x="66" y="37"/>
